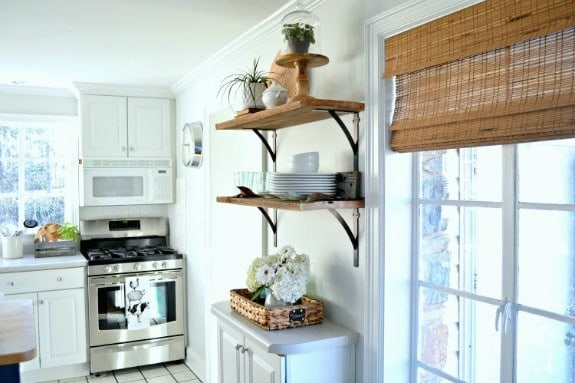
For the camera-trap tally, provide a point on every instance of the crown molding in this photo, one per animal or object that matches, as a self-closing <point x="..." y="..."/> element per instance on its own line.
<point x="80" y="88"/>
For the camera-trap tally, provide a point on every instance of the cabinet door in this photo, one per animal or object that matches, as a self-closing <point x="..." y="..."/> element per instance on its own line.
<point x="104" y="126"/>
<point x="62" y="327"/>
<point x="261" y="366"/>
<point x="149" y="130"/>
<point x="31" y="364"/>
<point x="230" y="359"/>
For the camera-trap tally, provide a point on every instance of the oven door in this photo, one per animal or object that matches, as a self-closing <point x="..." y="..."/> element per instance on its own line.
<point x="109" y="314"/>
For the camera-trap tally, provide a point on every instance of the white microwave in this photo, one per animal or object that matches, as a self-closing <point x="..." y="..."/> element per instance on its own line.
<point x="124" y="181"/>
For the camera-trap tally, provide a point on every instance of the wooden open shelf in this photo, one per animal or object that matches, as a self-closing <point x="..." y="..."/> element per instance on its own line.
<point x="290" y="114"/>
<point x="276" y="203"/>
<point x="298" y="112"/>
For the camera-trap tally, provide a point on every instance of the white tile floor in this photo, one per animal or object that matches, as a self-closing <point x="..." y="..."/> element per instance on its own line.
<point x="174" y="372"/>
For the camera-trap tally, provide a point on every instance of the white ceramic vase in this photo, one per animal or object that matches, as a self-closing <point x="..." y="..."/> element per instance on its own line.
<point x="252" y="95"/>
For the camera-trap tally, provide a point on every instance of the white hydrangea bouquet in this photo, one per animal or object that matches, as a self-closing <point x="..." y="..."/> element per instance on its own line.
<point x="283" y="274"/>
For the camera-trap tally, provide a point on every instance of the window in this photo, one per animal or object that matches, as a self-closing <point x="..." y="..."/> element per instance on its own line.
<point x="38" y="172"/>
<point x="495" y="265"/>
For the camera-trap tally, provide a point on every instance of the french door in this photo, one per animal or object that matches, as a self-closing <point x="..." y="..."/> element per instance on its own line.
<point x="494" y="269"/>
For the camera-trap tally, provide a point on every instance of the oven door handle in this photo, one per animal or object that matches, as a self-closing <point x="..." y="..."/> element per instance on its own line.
<point x="107" y="284"/>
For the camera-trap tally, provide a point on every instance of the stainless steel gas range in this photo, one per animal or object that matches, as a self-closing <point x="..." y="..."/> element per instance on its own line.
<point x="135" y="293"/>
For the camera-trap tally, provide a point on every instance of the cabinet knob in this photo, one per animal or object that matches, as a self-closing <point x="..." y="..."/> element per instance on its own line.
<point x="124" y="148"/>
<point x="244" y="349"/>
<point x="41" y="301"/>
<point x="131" y="148"/>
<point x="10" y="283"/>
<point x="238" y="346"/>
<point x="60" y="279"/>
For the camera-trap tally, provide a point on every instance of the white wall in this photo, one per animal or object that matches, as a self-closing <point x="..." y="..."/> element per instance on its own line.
<point x="221" y="240"/>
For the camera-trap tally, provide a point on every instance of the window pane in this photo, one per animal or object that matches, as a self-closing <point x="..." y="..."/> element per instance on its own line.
<point x="546" y="257"/>
<point x="9" y="211"/>
<point x="424" y="376"/>
<point x="547" y="172"/>
<point x="458" y="337"/>
<point x="35" y="173"/>
<point x="8" y="176"/>
<point x="463" y="174"/>
<point x="545" y="352"/>
<point x="460" y="247"/>
<point x="45" y="209"/>
<point x="10" y="142"/>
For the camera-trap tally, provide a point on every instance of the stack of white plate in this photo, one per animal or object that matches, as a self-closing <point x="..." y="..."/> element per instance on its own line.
<point x="302" y="183"/>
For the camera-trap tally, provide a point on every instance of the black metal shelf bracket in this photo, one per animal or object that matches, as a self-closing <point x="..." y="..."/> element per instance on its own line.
<point x="272" y="149"/>
<point x="271" y="222"/>
<point x="352" y="233"/>
<point x="351" y="138"/>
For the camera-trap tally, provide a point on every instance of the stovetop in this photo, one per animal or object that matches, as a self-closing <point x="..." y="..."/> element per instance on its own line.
<point x="114" y="250"/>
<point x="132" y="254"/>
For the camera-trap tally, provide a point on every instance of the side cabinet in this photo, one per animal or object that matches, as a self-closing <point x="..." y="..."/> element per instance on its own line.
<point x="62" y="327"/>
<point x="323" y="353"/>
<point x="60" y="314"/>
<point x="242" y="360"/>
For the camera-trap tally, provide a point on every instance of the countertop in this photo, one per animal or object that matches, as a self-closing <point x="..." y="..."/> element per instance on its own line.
<point x="29" y="263"/>
<point x="289" y="341"/>
<point x="17" y="334"/>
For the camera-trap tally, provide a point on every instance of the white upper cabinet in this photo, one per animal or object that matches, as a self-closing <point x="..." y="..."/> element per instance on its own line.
<point x="120" y="127"/>
<point x="149" y="133"/>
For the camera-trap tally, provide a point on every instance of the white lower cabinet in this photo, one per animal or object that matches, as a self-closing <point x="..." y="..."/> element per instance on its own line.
<point x="60" y="315"/>
<point x="241" y="360"/>
<point x="323" y="353"/>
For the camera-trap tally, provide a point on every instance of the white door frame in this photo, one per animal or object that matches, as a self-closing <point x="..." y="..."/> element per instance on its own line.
<point x="387" y="300"/>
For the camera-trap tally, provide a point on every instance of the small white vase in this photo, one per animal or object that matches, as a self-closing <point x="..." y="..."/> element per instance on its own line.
<point x="252" y="95"/>
<point x="271" y="301"/>
<point x="274" y="95"/>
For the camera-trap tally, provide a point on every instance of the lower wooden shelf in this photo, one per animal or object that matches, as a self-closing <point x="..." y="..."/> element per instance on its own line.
<point x="294" y="205"/>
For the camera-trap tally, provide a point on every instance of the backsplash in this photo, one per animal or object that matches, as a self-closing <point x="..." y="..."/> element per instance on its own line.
<point x="100" y="212"/>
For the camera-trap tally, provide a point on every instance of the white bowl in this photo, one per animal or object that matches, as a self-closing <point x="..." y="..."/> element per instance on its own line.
<point x="307" y="156"/>
<point x="303" y="166"/>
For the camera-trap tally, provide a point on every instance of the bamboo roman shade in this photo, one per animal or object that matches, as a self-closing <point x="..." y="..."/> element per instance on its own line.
<point x="499" y="72"/>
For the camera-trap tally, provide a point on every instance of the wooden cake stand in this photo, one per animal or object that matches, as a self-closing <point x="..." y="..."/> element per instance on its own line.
<point x="301" y="62"/>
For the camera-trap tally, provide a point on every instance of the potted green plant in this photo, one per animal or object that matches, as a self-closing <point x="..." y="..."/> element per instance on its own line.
<point x="299" y="36"/>
<point x="251" y="83"/>
<point x="68" y="231"/>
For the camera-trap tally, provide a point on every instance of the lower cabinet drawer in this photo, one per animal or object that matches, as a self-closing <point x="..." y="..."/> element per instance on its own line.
<point x="42" y="280"/>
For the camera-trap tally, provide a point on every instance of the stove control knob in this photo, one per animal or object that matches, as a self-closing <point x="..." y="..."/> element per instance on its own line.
<point x="136" y="266"/>
<point x="116" y="268"/>
<point x="155" y="265"/>
<point x="108" y="269"/>
<point x="164" y="265"/>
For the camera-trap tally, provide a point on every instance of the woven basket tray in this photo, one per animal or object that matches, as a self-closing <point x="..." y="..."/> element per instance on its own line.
<point x="309" y="312"/>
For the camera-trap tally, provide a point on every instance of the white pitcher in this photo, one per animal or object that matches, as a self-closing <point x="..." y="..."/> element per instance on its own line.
<point x="274" y="95"/>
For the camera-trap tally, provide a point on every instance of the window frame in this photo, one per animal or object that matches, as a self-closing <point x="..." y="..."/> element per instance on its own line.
<point x="70" y="126"/>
